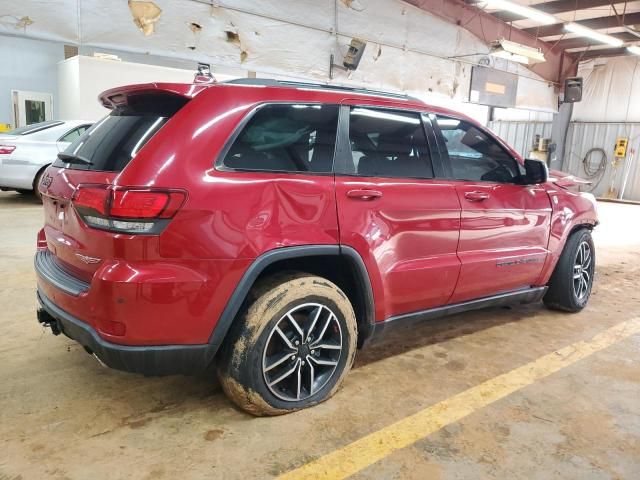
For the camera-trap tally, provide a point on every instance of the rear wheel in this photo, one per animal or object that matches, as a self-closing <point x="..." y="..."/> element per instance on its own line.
<point x="571" y="282"/>
<point x="36" y="183"/>
<point x="292" y="348"/>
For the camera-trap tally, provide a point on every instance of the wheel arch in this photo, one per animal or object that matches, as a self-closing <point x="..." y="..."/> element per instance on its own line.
<point x="34" y="182"/>
<point x="340" y="264"/>
<point x="552" y="259"/>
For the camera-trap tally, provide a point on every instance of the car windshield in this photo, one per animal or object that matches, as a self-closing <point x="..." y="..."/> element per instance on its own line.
<point x="34" y="127"/>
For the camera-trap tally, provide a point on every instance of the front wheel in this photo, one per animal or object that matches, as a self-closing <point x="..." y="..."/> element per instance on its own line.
<point x="292" y="348"/>
<point x="572" y="280"/>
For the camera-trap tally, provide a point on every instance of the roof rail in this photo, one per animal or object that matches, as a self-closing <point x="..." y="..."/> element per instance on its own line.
<point x="271" y="82"/>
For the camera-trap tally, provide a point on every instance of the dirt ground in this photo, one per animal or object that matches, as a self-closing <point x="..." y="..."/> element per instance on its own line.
<point x="62" y="415"/>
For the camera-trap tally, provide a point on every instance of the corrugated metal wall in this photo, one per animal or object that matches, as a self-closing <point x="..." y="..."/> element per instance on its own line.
<point x="584" y="136"/>
<point x="520" y="135"/>
<point x="581" y="138"/>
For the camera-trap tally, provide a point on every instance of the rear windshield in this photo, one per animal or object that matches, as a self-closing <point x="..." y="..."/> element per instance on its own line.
<point x="111" y="143"/>
<point x="33" y="128"/>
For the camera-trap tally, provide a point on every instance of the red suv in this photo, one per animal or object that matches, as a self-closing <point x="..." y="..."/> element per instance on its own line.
<point x="276" y="226"/>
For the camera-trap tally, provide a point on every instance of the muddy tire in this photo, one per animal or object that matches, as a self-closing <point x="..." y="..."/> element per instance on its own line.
<point x="571" y="281"/>
<point x="291" y="347"/>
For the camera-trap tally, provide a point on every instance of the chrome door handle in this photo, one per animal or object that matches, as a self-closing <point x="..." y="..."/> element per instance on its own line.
<point x="476" y="196"/>
<point x="364" y="194"/>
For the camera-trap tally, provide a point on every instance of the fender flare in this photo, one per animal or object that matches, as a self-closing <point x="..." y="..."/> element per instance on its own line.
<point x="252" y="273"/>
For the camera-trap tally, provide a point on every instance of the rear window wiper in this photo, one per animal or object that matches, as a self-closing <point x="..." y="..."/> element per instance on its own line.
<point x="70" y="158"/>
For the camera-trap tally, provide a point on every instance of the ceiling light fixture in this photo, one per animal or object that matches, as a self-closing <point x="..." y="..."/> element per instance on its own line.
<point x="530" y="13"/>
<point x="516" y="52"/>
<point x="634" y="49"/>
<point x="589" y="33"/>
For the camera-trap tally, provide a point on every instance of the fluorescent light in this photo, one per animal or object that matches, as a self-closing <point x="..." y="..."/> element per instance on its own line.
<point x="634" y="49"/>
<point x="528" y="12"/>
<point x="589" y="33"/>
<point x="516" y="52"/>
<point x="510" y="56"/>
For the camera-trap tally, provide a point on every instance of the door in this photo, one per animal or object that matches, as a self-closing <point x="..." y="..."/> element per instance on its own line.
<point x="504" y="228"/>
<point x="401" y="220"/>
<point x="31" y="107"/>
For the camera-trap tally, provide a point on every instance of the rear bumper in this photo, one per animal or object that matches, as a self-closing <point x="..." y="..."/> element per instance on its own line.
<point x="147" y="360"/>
<point x="142" y="303"/>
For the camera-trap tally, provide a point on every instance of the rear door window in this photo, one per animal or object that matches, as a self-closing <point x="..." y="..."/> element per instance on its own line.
<point x="111" y="143"/>
<point x="388" y="143"/>
<point x="286" y="138"/>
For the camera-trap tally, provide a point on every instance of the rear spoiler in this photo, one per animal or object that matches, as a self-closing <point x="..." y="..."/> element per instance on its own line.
<point x="117" y="97"/>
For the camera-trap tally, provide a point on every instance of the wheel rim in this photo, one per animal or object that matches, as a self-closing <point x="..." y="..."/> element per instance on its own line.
<point x="583" y="271"/>
<point x="302" y="352"/>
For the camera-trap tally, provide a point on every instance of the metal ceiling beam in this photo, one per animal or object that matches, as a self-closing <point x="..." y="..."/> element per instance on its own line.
<point x="488" y="28"/>
<point x="553" y="7"/>
<point x="583" y="42"/>
<point x="595" y="23"/>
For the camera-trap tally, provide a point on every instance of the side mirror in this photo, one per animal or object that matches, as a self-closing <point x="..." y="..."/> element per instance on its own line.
<point x="536" y="171"/>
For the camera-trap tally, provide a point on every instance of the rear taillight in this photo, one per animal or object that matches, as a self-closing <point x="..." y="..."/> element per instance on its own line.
<point x="127" y="210"/>
<point x="7" y="149"/>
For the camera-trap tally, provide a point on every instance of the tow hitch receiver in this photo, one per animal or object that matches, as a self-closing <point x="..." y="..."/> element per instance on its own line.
<point x="48" y="321"/>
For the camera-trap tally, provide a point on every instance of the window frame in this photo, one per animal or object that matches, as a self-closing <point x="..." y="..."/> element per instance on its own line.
<point x="343" y="156"/>
<point x="239" y="128"/>
<point x="444" y="151"/>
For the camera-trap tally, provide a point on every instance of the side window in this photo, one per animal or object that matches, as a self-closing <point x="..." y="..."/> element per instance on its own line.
<point x="388" y="143"/>
<point x="83" y="128"/>
<point x="77" y="132"/>
<point x="71" y="135"/>
<point x="476" y="156"/>
<point x="289" y="138"/>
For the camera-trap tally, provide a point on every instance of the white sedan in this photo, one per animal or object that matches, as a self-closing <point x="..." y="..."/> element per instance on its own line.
<point x="26" y="151"/>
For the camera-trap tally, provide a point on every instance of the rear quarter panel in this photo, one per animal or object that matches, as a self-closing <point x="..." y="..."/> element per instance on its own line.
<point x="18" y="170"/>
<point x="230" y="215"/>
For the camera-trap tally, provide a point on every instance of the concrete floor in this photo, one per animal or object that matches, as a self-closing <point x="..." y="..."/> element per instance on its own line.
<point x="64" y="416"/>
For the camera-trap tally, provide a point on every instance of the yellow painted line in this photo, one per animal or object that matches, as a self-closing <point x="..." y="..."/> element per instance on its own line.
<point x="371" y="448"/>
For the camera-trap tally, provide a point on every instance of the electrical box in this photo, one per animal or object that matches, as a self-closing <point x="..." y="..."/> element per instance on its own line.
<point x="354" y="54"/>
<point x="621" y="147"/>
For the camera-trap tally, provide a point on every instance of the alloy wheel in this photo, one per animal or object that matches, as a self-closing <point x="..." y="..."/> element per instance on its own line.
<point x="582" y="271"/>
<point x="302" y="352"/>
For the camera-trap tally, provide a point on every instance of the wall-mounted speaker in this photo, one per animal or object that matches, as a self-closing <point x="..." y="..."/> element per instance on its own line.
<point x="572" y="90"/>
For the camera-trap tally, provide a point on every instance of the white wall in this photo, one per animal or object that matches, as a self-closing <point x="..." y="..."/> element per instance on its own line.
<point x="69" y="90"/>
<point x="408" y="49"/>
<point x="611" y="90"/>
<point x="27" y="65"/>
<point x="82" y="79"/>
